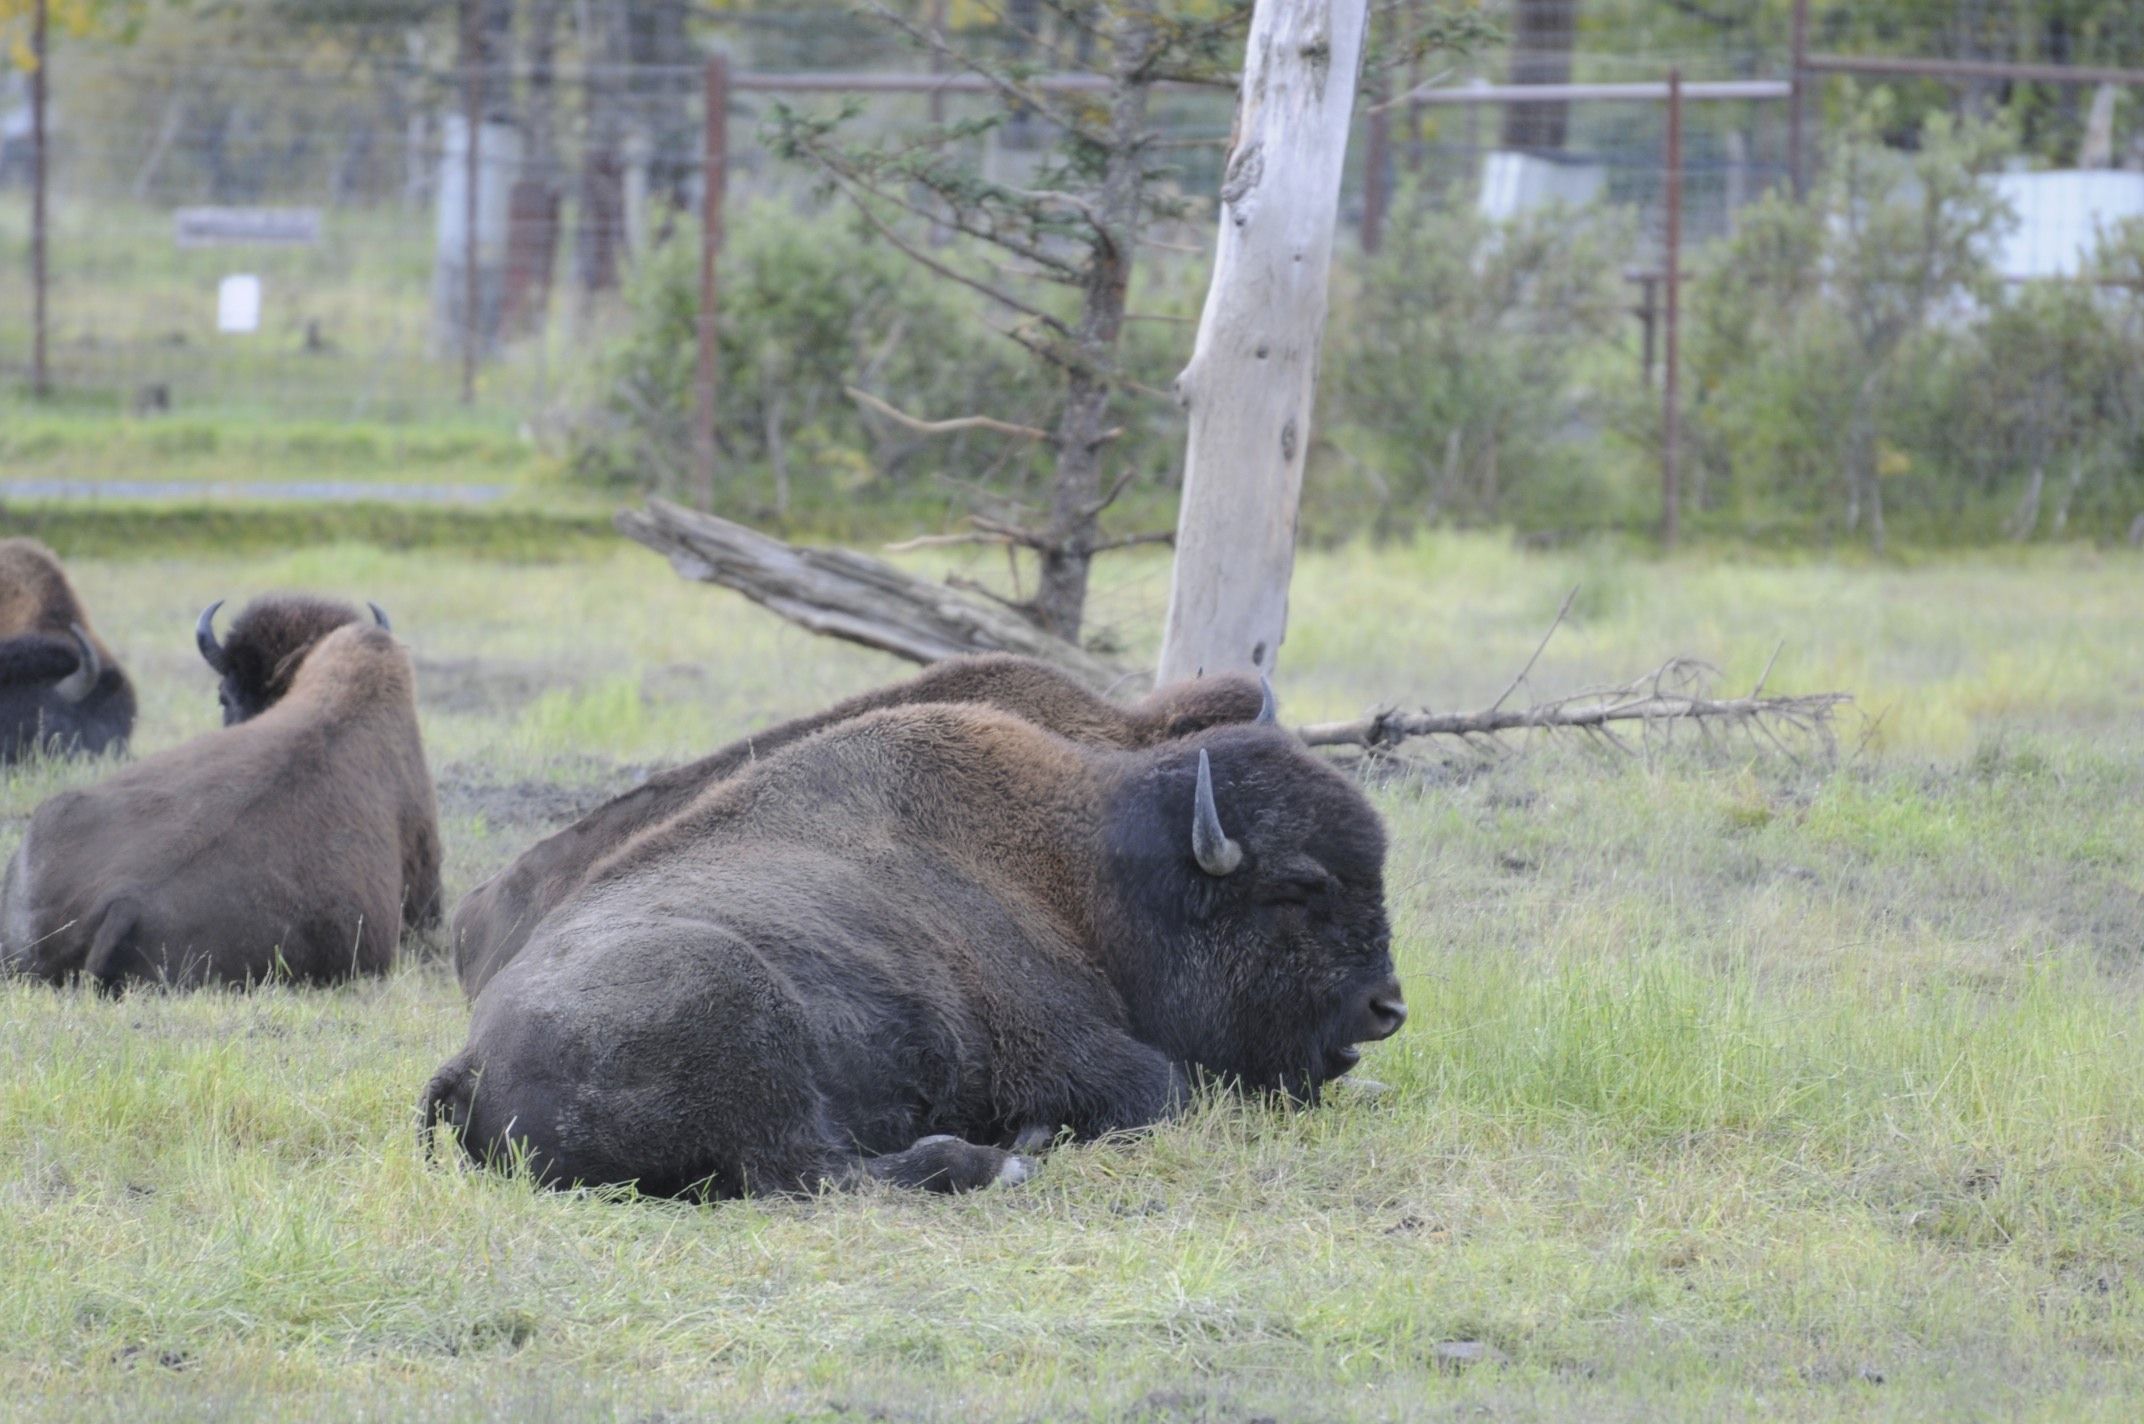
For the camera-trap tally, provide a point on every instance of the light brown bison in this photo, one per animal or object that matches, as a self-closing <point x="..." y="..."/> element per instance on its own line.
<point x="295" y="844"/>
<point x="494" y="920"/>
<point x="912" y="943"/>
<point x="61" y="690"/>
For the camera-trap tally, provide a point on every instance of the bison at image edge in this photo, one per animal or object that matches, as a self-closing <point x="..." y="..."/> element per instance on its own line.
<point x="61" y="690"/>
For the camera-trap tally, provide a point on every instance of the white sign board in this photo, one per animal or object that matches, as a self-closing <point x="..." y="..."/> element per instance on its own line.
<point x="238" y="303"/>
<point x="247" y="227"/>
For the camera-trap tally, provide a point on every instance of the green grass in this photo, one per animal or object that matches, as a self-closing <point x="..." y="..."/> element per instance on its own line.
<point x="1733" y="1088"/>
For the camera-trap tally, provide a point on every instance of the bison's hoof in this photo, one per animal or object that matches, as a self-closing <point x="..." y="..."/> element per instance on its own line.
<point x="949" y="1164"/>
<point x="1034" y="1137"/>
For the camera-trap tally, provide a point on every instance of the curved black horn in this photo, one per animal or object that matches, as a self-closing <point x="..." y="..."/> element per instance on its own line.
<point x="1217" y="854"/>
<point x="83" y="680"/>
<point x="1268" y="707"/>
<point x="379" y="615"/>
<point x="205" y="637"/>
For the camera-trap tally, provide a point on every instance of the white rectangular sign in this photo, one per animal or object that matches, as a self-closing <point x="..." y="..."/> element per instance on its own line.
<point x="238" y="303"/>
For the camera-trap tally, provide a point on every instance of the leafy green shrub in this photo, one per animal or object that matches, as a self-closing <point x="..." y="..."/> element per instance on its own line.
<point x="808" y="307"/>
<point x="1464" y="364"/>
<point x="2045" y="408"/>
<point x="1823" y="334"/>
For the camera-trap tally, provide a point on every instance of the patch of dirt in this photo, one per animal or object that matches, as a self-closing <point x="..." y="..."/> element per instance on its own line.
<point x="536" y="801"/>
<point x="476" y="685"/>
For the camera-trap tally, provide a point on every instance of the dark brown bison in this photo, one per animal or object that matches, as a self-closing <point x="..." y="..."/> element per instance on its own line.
<point x="294" y="845"/>
<point x="61" y="690"/>
<point x="909" y="945"/>
<point x="494" y="920"/>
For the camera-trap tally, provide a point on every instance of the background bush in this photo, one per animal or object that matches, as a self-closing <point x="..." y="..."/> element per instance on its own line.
<point x="810" y="306"/>
<point x="1465" y="366"/>
<point x="1851" y="367"/>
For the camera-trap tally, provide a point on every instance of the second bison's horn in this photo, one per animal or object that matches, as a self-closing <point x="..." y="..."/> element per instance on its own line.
<point x="205" y="636"/>
<point x="79" y="683"/>
<point x="379" y="616"/>
<point x="1268" y="708"/>
<point x="1217" y="854"/>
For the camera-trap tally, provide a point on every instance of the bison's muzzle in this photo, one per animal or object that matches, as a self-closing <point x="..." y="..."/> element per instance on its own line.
<point x="1382" y="1014"/>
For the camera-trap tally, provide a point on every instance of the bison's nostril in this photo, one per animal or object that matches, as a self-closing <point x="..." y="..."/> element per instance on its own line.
<point x="1387" y="1013"/>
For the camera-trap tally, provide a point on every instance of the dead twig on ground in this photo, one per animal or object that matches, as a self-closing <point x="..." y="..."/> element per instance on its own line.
<point x="1673" y="693"/>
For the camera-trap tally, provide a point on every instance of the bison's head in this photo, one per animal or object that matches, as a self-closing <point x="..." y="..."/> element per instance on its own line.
<point x="1247" y="895"/>
<point x="260" y="653"/>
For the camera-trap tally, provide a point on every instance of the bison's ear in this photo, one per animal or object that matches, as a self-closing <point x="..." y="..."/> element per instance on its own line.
<point x="1217" y="855"/>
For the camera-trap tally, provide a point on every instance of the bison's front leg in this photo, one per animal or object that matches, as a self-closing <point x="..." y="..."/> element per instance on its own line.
<point x="948" y="1164"/>
<point x="423" y="898"/>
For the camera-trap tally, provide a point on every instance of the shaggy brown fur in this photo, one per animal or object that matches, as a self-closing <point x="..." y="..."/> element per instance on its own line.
<point x="267" y="642"/>
<point x="294" y="845"/>
<point x="495" y="919"/>
<point x="42" y="702"/>
<point x="923" y="937"/>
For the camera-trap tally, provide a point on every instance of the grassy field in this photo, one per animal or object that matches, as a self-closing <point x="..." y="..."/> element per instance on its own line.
<point x="1734" y="1087"/>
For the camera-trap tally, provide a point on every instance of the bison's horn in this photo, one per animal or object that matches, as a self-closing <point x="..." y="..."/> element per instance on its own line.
<point x="1217" y="854"/>
<point x="205" y="637"/>
<point x="83" y="680"/>
<point x="379" y="616"/>
<point x="1268" y="708"/>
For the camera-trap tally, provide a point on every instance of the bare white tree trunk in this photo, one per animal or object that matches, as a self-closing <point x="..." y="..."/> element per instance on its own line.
<point x="1254" y="368"/>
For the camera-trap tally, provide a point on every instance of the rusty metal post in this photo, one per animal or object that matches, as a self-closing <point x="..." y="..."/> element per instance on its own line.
<point x="1649" y="319"/>
<point x="472" y="125"/>
<point x="1376" y="161"/>
<point x="1414" y="104"/>
<point x="40" y="374"/>
<point x="1670" y="410"/>
<point x="1377" y="146"/>
<point x="714" y="177"/>
<point x="938" y="21"/>
<point x="1798" y="79"/>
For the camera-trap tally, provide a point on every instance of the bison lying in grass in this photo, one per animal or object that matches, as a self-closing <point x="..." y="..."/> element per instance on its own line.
<point x="61" y="691"/>
<point x="293" y="844"/>
<point x="913" y="942"/>
<point x="494" y="920"/>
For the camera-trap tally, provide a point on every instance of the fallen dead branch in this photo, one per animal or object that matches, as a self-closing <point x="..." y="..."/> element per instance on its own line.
<point x="844" y="594"/>
<point x="1659" y="697"/>
<point x="1675" y="692"/>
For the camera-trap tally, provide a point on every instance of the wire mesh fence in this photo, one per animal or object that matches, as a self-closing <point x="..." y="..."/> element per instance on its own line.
<point x="408" y="225"/>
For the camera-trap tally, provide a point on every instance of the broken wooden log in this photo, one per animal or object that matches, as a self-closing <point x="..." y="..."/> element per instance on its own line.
<point x="844" y="594"/>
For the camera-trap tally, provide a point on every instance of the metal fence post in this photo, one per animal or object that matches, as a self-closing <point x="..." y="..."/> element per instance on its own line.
<point x="1670" y="411"/>
<point x="1376" y="159"/>
<point x="1798" y="79"/>
<point x="714" y="177"/>
<point x="40" y="375"/>
<point x="472" y="125"/>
